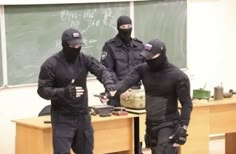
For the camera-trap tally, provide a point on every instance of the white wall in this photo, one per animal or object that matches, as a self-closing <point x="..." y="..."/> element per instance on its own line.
<point x="211" y="53"/>
<point x="211" y="48"/>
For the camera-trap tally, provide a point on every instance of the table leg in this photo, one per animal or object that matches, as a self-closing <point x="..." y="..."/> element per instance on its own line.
<point x="230" y="143"/>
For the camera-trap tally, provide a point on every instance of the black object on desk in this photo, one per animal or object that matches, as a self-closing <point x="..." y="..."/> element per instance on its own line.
<point x="47" y="122"/>
<point x="101" y="108"/>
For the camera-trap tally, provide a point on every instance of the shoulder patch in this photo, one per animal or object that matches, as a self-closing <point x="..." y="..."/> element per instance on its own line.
<point x="104" y="55"/>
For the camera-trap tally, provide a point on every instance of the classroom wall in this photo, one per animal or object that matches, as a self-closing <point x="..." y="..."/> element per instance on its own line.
<point x="211" y="50"/>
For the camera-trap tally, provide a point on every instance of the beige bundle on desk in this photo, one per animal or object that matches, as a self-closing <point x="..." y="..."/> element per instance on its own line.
<point x="135" y="100"/>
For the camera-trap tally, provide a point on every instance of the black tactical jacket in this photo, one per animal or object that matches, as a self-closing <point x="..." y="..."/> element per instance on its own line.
<point x="56" y="74"/>
<point x="120" y="59"/>
<point x="163" y="89"/>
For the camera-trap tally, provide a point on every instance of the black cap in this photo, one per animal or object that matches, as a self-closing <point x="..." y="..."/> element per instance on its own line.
<point x="152" y="48"/>
<point x="72" y="37"/>
<point x="123" y="20"/>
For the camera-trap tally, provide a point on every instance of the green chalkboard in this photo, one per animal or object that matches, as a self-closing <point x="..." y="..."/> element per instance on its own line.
<point x="34" y="32"/>
<point x="166" y="20"/>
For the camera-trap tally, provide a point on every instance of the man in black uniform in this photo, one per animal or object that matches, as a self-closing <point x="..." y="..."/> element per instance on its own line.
<point x="122" y="53"/>
<point x="62" y="79"/>
<point x="164" y="85"/>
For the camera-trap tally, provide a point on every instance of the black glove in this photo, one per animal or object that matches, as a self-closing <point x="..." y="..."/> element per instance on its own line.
<point x="111" y="87"/>
<point x="180" y="135"/>
<point x="70" y="90"/>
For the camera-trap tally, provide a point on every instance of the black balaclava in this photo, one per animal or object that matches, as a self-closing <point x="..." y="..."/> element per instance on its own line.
<point x="70" y="53"/>
<point x="124" y="34"/>
<point x="160" y="62"/>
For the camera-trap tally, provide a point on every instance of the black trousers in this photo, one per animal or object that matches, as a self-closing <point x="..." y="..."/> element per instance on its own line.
<point x="72" y="132"/>
<point x="164" y="146"/>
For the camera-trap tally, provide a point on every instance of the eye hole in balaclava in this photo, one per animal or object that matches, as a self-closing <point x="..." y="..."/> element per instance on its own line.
<point x="70" y="53"/>
<point x="157" y="63"/>
<point x="124" y="27"/>
<point x="155" y="54"/>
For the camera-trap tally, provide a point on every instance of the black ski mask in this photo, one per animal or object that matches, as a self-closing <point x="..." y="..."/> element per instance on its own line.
<point x="124" y="34"/>
<point x="152" y="48"/>
<point x="71" y="39"/>
<point x="157" y="63"/>
<point x="70" y="53"/>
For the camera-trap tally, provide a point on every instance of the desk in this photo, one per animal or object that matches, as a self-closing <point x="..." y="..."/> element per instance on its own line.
<point x="142" y="118"/>
<point x="113" y="134"/>
<point x="213" y="117"/>
<point x="140" y="128"/>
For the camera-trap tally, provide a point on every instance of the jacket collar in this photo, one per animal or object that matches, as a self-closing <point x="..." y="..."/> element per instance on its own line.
<point x="120" y="43"/>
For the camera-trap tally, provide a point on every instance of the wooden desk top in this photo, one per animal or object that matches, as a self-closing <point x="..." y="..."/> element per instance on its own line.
<point x="138" y="111"/>
<point x="213" y="102"/>
<point x="198" y="103"/>
<point x="38" y="122"/>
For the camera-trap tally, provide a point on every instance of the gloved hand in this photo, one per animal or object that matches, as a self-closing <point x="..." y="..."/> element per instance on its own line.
<point x="111" y="87"/>
<point x="180" y="135"/>
<point x="71" y="91"/>
<point x="111" y="91"/>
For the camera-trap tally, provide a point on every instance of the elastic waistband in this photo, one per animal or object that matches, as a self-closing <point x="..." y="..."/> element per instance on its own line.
<point x="161" y="124"/>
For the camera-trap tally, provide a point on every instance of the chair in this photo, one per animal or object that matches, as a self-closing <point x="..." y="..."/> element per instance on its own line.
<point x="45" y="111"/>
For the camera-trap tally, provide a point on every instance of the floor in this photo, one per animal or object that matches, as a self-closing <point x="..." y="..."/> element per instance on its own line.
<point x="216" y="147"/>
